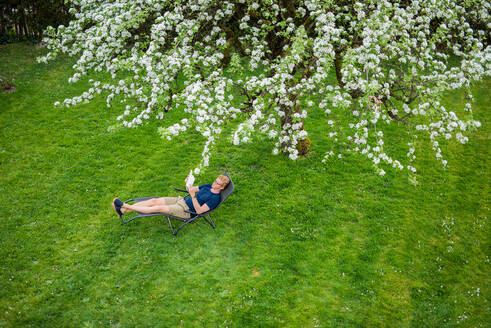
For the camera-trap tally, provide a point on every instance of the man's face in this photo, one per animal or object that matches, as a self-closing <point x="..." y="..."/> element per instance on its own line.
<point x="217" y="184"/>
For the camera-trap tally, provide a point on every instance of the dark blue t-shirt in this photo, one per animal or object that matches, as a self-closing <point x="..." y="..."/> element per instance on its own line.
<point x="204" y="195"/>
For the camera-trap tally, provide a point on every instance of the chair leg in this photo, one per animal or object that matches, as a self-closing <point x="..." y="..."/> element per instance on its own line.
<point x="175" y="231"/>
<point x="186" y="223"/>
<point x="126" y="221"/>
<point x="171" y="227"/>
<point x="210" y="222"/>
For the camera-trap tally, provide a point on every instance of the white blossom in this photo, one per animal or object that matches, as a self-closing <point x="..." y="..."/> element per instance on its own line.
<point x="395" y="71"/>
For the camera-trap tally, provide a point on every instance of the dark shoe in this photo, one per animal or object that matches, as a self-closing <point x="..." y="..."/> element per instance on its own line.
<point x="117" y="204"/>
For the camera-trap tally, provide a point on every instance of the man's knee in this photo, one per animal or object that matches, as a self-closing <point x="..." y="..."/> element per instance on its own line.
<point x="157" y="201"/>
<point x="162" y="209"/>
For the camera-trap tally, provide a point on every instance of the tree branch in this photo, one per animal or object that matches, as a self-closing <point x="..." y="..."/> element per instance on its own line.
<point x="395" y="116"/>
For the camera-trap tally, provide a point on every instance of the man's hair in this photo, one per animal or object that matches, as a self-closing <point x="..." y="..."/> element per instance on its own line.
<point x="225" y="180"/>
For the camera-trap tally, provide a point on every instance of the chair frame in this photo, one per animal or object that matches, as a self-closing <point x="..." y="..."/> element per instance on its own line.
<point x="206" y="215"/>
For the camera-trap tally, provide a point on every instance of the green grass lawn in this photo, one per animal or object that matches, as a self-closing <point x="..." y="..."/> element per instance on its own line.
<point x="298" y="244"/>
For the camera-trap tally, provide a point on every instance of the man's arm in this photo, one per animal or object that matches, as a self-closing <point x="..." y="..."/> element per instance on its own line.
<point x="197" y="207"/>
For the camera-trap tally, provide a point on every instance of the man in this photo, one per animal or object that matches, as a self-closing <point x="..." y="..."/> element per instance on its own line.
<point x="203" y="198"/>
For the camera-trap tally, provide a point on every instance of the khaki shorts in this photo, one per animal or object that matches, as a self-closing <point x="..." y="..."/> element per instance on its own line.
<point x="177" y="205"/>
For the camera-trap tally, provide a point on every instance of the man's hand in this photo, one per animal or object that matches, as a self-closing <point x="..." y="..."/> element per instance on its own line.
<point x="192" y="190"/>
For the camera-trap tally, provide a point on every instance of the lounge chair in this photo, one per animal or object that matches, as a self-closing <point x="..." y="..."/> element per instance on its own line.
<point x="223" y="196"/>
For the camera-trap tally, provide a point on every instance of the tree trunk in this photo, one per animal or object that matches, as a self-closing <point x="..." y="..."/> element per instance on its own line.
<point x="22" y="22"/>
<point x="338" y="65"/>
<point x="303" y="145"/>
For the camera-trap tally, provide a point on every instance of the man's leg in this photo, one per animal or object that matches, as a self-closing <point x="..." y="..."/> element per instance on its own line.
<point x="145" y="208"/>
<point x="148" y="202"/>
<point x="154" y="205"/>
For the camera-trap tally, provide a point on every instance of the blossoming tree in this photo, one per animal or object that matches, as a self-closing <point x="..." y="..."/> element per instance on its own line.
<point x="266" y="64"/>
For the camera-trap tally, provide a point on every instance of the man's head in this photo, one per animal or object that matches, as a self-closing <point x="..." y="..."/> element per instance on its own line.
<point x="221" y="182"/>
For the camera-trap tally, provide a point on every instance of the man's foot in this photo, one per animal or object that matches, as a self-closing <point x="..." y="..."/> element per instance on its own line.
<point x="117" y="203"/>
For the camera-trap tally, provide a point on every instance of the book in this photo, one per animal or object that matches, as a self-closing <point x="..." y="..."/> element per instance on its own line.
<point x="190" y="179"/>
